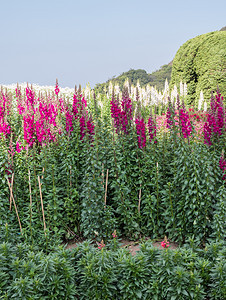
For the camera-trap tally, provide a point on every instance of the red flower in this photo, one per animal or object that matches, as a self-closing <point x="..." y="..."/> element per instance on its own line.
<point x="165" y="244"/>
<point x="101" y="245"/>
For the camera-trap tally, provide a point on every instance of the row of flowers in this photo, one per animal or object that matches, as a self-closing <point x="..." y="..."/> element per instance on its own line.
<point x="209" y="126"/>
<point x="43" y="118"/>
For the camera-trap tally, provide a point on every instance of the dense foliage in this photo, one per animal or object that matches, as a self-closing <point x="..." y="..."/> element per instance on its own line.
<point x="85" y="272"/>
<point x="77" y="168"/>
<point x="201" y="63"/>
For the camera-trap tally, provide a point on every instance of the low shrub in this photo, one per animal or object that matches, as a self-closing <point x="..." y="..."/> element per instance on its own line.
<point x="86" y="272"/>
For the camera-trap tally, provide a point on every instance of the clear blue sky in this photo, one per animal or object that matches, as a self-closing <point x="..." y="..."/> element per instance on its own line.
<point x="91" y="41"/>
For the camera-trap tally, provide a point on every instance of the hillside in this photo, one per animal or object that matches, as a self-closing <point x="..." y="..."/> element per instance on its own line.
<point x="156" y="78"/>
<point x="201" y="63"/>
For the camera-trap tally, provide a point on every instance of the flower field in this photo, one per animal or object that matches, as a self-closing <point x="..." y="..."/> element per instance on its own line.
<point x="75" y="165"/>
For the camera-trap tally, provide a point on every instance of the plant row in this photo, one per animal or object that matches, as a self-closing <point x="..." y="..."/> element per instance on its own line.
<point x="85" y="272"/>
<point x="71" y="169"/>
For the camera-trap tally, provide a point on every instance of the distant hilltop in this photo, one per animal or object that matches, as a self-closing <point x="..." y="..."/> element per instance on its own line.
<point x="156" y="78"/>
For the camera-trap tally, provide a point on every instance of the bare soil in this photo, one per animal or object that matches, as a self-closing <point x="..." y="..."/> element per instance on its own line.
<point x="133" y="246"/>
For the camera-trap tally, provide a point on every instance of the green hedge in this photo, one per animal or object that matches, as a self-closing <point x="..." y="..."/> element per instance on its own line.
<point x="85" y="272"/>
<point x="201" y="63"/>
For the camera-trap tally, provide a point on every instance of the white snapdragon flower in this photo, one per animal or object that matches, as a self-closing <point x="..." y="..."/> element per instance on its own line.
<point x="117" y="89"/>
<point x="174" y="93"/>
<point x="201" y="100"/>
<point x="185" y="89"/>
<point x="110" y="88"/>
<point x="181" y="89"/>
<point x="166" y="89"/>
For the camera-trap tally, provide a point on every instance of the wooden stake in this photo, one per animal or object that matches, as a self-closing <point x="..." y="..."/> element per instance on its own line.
<point x="29" y="175"/>
<point x="106" y="188"/>
<point x="11" y="195"/>
<point x="10" y="199"/>
<point x="43" y="215"/>
<point x="70" y="181"/>
<point x="139" y="200"/>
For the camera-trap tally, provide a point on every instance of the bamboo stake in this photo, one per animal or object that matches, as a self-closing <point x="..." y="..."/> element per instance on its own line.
<point x="11" y="194"/>
<point x="139" y="200"/>
<point x="10" y="200"/>
<point x="70" y="181"/>
<point x="43" y="215"/>
<point x="106" y="188"/>
<point x="29" y="175"/>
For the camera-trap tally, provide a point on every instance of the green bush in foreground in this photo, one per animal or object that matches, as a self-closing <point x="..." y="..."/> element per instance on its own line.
<point x="88" y="273"/>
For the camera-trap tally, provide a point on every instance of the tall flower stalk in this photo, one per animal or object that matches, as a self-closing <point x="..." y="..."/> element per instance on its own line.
<point x="185" y="123"/>
<point x="215" y="125"/>
<point x="152" y="129"/>
<point x="222" y="164"/>
<point x="122" y="113"/>
<point x="141" y="132"/>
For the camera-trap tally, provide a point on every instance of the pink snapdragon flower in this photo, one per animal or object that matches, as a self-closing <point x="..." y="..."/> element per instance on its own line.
<point x="19" y="147"/>
<point x="116" y="113"/>
<point x="30" y="94"/>
<point x="90" y="127"/>
<point x="169" y="121"/>
<point x="101" y="245"/>
<point x="5" y="128"/>
<point x="151" y="129"/>
<point x="165" y="244"/>
<point x="114" y="234"/>
<point x="122" y="114"/>
<point x="69" y="121"/>
<point x="82" y="123"/>
<point x="185" y="123"/>
<point x="141" y="134"/>
<point x="57" y="90"/>
<point x="127" y="110"/>
<point x="215" y="124"/>
<point x="18" y="92"/>
<point x="79" y="112"/>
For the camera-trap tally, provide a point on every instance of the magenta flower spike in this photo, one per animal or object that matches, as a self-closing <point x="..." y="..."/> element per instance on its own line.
<point x="151" y="129"/>
<point x="121" y="114"/>
<point x="19" y="148"/>
<point x="116" y="113"/>
<point x="215" y="124"/>
<point x="185" y="123"/>
<point x="165" y="243"/>
<point x="141" y="134"/>
<point x="69" y="121"/>
<point x="57" y="90"/>
<point x="169" y="121"/>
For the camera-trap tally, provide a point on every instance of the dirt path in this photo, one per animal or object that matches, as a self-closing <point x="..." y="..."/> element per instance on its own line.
<point x="133" y="246"/>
